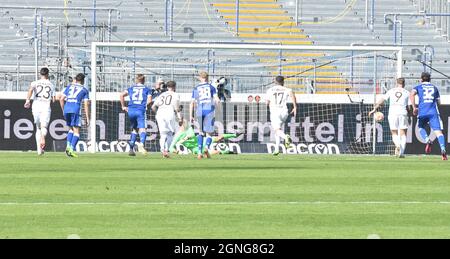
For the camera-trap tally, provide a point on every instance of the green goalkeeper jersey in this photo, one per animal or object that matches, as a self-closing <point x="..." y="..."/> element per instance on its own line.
<point x="189" y="140"/>
<point x="186" y="138"/>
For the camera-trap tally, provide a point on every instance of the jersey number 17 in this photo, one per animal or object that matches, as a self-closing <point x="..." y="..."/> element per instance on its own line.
<point x="74" y="92"/>
<point x="279" y="97"/>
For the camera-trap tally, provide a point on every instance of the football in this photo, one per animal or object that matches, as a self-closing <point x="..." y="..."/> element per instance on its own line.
<point x="379" y="116"/>
<point x="222" y="147"/>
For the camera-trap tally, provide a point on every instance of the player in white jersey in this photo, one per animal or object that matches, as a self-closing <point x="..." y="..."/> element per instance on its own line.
<point x="43" y="94"/>
<point x="167" y="108"/>
<point x="398" y="98"/>
<point x="277" y="99"/>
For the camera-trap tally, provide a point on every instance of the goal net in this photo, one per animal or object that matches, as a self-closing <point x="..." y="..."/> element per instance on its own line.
<point x="335" y="86"/>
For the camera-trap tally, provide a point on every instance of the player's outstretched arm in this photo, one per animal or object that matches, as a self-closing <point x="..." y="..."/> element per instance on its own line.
<point x="156" y="104"/>
<point x="149" y="101"/>
<point x="178" y="110"/>
<point x="191" y="111"/>
<point x="27" y="104"/>
<point x="294" y="102"/>
<point x="180" y="117"/>
<point x="412" y="99"/>
<point x="150" y="98"/>
<point x="376" y="106"/>
<point x="54" y="97"/>
<point x="268" y="98"/>
<point x="122" y="101"/>
<point x="62" y="101"/>
<point x="438" y="97"/>
<point x="86" y="110"/>
<point x="154" y="107"/>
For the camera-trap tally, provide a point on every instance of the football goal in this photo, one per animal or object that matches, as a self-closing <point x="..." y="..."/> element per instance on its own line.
<point x="335" y="86"/>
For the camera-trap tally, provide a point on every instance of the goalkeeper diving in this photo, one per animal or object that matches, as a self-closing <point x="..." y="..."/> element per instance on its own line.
<point x="186" y="137"/>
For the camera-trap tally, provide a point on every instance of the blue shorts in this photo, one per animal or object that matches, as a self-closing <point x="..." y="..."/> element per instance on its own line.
<point x="206" y="122"/>
<point x="434" y="121"/>
<point x="138" y="119"/>
<point x="73" y="119"/>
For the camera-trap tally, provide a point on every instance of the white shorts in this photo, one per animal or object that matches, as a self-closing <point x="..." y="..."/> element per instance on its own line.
<point x="167" y="124"/>
<point x="278" y="119"/>
<point x="42" y="117"/>
<point x="398" y="122"/>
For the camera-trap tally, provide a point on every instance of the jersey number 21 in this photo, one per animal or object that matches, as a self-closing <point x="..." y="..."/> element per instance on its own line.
<point x="138" y="96"/>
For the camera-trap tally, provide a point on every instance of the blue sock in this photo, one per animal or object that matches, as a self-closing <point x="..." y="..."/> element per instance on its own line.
<point x="143" y="137"/>
<point x="69" y="139"/>
<point x="200" y="144"/>
<point x="424" y="134"/>
<point x="75" y="141"/>
<point x="441" y="140"/>
<point x="208" y="142"/>
<point x="133" y="139"/>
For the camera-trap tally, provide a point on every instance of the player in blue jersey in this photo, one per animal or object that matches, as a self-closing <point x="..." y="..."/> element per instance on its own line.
<point x="428" y="112"/>
<point x="71" y="100"/>
<point x="202" y="109"/>
<point x="137" y="112"/>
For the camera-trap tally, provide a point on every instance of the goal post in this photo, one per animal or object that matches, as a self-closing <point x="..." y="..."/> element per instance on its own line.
<point x="327" y="78"/>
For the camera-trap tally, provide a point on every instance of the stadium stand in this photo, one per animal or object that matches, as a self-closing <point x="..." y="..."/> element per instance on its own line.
<point x="326" y="22"/>
<point x="420" y="36"/>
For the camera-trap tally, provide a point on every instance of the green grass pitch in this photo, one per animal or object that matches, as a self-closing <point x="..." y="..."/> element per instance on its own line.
<point x="248" y="196"/>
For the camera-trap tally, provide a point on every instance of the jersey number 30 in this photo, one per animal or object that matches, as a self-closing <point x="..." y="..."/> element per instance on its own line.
<point x="165" y="100"/>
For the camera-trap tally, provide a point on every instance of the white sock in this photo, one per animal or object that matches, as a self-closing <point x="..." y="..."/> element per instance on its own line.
<point x="277" y="143"/>
<point x="396" y="139"/>
<point x="38" y="141"/>
<point x="162" y="142"/>
<point x="281" y="134"/>
<point x="169" y="141"/>
<point x="402" y="145"/>
<point x="44" y="132"/>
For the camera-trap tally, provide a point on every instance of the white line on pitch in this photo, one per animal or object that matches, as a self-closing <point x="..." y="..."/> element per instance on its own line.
<point x="225" y="203"/>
